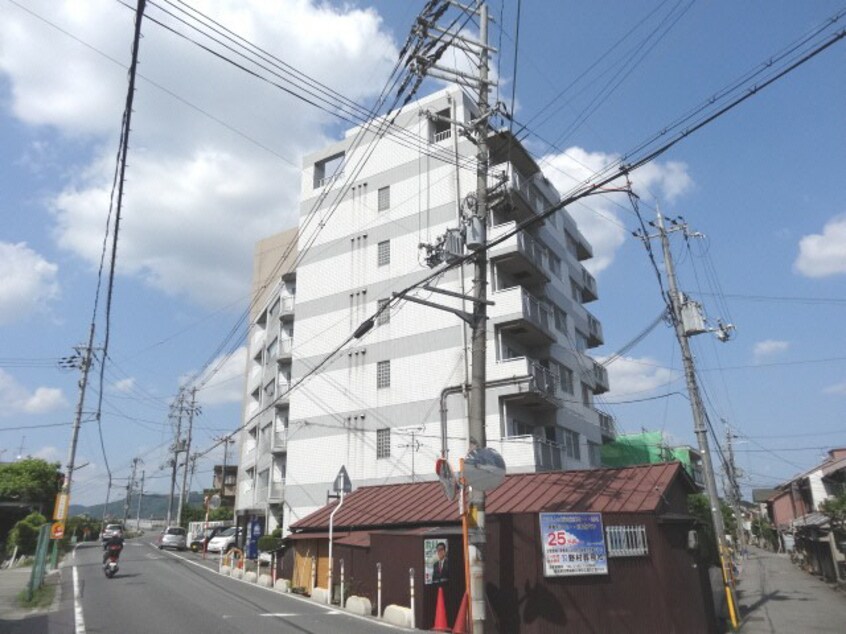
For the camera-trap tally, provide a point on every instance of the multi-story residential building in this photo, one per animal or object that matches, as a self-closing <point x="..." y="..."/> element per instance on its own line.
<point x="262" y="442"/>
<point x="375" y="406"/>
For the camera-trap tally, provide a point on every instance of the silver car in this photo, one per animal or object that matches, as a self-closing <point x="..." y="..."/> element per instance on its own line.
<point x="173" y="537"/>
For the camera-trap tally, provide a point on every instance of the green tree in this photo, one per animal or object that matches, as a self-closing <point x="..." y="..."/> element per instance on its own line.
<point x="24" y="535"/>
<point x="835" y="509"/>
<point x="30" y="480"/>
<point x="198" y="514"/>
<point x="699" y="506"/>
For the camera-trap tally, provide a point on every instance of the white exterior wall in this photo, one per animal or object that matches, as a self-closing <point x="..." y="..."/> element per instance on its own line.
<point x="335" y="414"/>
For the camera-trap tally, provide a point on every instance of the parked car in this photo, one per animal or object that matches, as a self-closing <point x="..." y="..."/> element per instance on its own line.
<point x="225" y="541"/>
<point x="110" y="531"/>
<point x="173" y="537"/>
<point x="199" y="542"/>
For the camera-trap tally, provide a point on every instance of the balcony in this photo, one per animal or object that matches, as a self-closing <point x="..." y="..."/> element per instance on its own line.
<point x="286" y="345"/>
<point x="249" y="452"/>
<point x="519" y="197"/>
<point x="286" y="307"/>
<point x="595" y="337"/>
<point x="522" y="316"/>
<point x="589" y="293"/>
<point x="521" y="256"/>
<point x="279" y="444"/>
<point x="283" y="390"/>
<point x="528" y="453"/>
<point x="600" y="379"/>
<point x="531" y="384"/>
<point x="607" y="426"/>
<point x="276" y="492"/>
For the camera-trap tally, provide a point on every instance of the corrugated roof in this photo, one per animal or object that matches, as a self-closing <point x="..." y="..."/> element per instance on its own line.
<point x="637" y="489"/>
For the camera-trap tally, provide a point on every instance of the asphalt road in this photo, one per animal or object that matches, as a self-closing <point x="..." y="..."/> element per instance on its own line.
<point x="776" y="597"/>
<point x="163" y="591"/>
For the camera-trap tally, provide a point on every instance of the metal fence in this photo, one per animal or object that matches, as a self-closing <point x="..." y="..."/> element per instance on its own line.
<point x="36" y="577"/>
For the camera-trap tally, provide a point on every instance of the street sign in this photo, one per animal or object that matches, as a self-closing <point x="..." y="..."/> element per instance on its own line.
<point x="57" y="530"/>
<point x="447" y="477"/>
<point x="60" y="510"/>
<point x="342" y="482"/>
<point x="484" y="469"/>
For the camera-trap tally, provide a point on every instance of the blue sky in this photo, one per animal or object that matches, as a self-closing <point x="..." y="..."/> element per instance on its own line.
<point x="213" y="168"/>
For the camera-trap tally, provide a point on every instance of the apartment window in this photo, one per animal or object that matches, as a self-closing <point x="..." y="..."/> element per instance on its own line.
<point x="587" y="395"/>
<point x="229" y="479"/>
<point x="626" y="541"/>
<point x="555" y="264"/>
<point x="383" y="443"/>
<point x="565" y="377"/>
<point x="383" y="374"/>
<point x="581" y="341"/>
<point x="384" y="256"/>
<point x="384" y="312"/>
<point x="571" y="445"/>
<point x="384" y="198"/>
<point x="576" y="290"/>
<point x="560" y="320"/>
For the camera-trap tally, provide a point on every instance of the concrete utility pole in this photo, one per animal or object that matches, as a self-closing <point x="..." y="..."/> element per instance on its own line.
<point x="176" y="448"/>
<point x="225" y="440"/>
<point x="129" y="486"/>
<point x="699" y="427"/>
<point x="733" y="490"/>
<point x="82" y="359"/>
<point x="140" y="497"/>
<point x="192" y="410"/>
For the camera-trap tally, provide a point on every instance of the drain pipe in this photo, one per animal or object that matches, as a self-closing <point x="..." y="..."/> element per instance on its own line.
<point x="332" y="563"/>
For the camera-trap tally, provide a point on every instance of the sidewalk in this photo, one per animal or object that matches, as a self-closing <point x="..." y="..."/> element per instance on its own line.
<point x="777" y="597"/>
<point x="12" y="583"/>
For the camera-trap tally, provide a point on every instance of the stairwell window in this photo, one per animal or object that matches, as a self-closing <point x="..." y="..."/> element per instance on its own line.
<point x="565" y="376"/>
<point x="384" y="253"/>
<point x="384" y="202"/>
<point x="383" y="443"/>
<point x="383" y="374"/>
<point x="384" y="312"/>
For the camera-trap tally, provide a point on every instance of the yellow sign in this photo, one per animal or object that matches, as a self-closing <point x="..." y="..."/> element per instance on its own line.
<point x="60" y="511"/>
<point x="57" y="530"/>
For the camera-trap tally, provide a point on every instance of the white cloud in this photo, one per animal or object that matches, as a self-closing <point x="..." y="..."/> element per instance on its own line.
<point x="768" y="348"/>
<point x="636" y="376"/>
<point x="199" y="195"/>
<point x="27" y="282"/>
<point x="15" y="398"/>
<point x="598" y="217"/>
<point x="227" y="383"/>
<point x="124" y="385"/>
<point x="837" y="388"/>
<point x="821" y="255"/>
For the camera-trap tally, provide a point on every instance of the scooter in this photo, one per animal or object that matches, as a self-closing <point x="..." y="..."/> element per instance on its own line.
<point x="110" y="563"/>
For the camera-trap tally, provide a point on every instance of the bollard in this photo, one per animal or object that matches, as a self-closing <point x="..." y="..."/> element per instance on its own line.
<point x="342" y="583"/>
<point x="379" y="589"/>
<point x="411" y="588"/>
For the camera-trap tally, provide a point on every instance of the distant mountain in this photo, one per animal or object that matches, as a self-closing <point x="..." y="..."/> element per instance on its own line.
<point x="153" y="506"/>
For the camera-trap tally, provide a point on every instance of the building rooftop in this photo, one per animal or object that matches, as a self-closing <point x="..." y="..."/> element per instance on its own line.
<point x="638" y="489"/>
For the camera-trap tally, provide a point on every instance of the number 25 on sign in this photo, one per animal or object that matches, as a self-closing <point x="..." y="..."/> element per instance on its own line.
<point x="560" y="538"/>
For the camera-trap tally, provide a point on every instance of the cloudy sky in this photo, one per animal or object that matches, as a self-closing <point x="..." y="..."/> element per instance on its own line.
<point x="214" y="166"/>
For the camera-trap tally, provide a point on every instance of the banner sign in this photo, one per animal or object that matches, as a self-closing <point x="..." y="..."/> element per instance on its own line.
<point x="60" y="509"/>
<point x="573" y="544"/>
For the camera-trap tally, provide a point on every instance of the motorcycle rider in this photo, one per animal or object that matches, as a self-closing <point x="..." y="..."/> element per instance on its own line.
<point x="112" y="546"/>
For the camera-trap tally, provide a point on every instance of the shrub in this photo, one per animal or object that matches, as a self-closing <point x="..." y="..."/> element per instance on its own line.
<point x="24" y="535"/>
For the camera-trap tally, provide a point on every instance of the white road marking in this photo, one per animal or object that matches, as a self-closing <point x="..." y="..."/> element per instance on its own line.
<point x="77" y="604"/>
<point x="281" y="614"/>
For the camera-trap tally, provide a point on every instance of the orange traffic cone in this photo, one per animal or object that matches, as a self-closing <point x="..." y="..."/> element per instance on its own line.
<point x="461" y="618"/>
<point x="441" y="624"/>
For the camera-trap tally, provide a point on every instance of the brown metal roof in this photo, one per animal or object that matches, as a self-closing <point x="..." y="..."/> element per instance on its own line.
<point x="637" y="489"/>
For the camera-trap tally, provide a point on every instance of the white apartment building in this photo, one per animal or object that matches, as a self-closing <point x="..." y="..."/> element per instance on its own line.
<point x="375" y="406"/>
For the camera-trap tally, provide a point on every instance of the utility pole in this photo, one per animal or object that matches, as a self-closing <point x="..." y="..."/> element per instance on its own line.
<point x="176" y="448"/>
<point x="226" y="440"/>
<point x="129" y="486"/>
<point x="192" y="410"/>
<point x="733" y="489"/>
<point x="82" y="360"/>
<point x="677" y="306"/>
<point x="140" y="497"/>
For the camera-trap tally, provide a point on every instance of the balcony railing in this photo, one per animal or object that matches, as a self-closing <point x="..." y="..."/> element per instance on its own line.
<point x="286" y="305"/>
<point x="543" y="379"/>
<point x="529" y="453"/>
<point x="276" y="492"/>
<point x="600" y="377"/>
<point x="589" y="293"/>
<point x="595" y="337"/>
<point x="537" y="311"/>
<point x="520" y="184"/>
<point x="280" y="440"/>
<point x="286" y="344"/>
<point x="443" y="135"/>
<point x="327" y="180"/>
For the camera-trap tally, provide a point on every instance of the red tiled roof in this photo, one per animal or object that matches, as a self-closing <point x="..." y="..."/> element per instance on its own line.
<point x="637" y="489"/>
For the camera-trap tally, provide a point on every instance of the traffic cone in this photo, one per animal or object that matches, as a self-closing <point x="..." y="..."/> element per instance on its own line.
<point x="441" y="624"/>
<point x="461" y="618"/>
